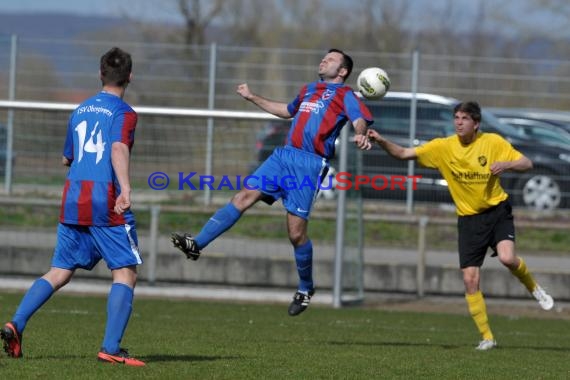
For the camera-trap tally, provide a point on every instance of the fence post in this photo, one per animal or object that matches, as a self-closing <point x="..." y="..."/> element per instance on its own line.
<point x="153" y="243"/>
<point x="210" y="129"/>
<point x="421" y="269"/>
<point x="10" y="121"/>
<point x="413" y="113"/>
<point x="340" y="224"/>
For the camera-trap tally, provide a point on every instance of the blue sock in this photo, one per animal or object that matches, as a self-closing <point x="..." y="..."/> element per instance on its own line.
<point x="220" y="222"/>
<point x="304" y="261"/>
<point x="40" y="291"/>
<point x="119" y="307"/>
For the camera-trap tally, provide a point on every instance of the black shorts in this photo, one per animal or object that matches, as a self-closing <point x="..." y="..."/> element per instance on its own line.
<point x="478" y="232"/>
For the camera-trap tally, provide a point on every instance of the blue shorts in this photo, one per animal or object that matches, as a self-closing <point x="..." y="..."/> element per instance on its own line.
<point x="293" y="175"/>
<point x="84" y="246"/>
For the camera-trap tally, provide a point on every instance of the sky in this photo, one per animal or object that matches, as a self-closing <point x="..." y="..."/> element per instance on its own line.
<point x="72" y="6"/>
<point x="88" y="7"/>
<point x="521" y="12"/>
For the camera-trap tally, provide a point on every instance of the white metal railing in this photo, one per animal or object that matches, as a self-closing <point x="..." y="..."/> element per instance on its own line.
<point x="12" y="105"/>
<point x="144" y="110"/>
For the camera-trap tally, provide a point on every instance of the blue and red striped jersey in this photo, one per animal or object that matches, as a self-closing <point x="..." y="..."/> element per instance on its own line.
<point x="91" y="187"/>
<point x="319" y="112"/>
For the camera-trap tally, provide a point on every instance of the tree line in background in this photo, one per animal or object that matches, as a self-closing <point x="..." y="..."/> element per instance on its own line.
<point x="484" y="28"/>
<point x="438" y="29"/>
<point x="471" y="29"/>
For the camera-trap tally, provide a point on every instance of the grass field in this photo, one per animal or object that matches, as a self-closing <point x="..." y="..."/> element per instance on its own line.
<point x="181" y="339"/>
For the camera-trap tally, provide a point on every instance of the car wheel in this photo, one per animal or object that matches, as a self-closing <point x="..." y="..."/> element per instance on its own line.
<point x="540" y="192"/>
<point x="328" y="189"/>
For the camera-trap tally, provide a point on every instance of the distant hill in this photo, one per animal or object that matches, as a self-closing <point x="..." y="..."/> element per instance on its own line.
<point x="35" y="30"/>
<point x="53" y="25"/>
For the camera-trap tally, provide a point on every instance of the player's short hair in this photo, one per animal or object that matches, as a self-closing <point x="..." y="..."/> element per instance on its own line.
<point x="471" y="108"/>
<point x="116" y="66"/>
<point x="346" y="63"/>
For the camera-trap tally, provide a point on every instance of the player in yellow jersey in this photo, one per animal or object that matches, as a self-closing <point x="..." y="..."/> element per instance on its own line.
<point x="471" y="162"/>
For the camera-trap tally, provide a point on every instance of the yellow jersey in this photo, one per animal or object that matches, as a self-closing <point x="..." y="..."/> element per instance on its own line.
<point x="466" y="169"/>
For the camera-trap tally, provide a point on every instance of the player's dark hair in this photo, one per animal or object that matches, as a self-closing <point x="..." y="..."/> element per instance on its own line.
<point x="116" y="66"/>
<point x="471" y="108"/>
<point x="347" y="62"/>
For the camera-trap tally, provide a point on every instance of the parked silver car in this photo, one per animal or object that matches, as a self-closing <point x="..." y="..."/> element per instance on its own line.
<point x="546" y="187"/>
<point x="544" y="126"/>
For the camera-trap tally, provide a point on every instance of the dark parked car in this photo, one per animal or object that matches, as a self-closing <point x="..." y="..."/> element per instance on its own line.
<point x="546" y="187"/>
<point x="544" y="126"/>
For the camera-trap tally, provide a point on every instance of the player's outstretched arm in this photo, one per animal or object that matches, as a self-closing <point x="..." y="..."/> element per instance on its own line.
<point x="360" y="138"/>
<point x="276" y="108"/>
<point x="393" y="149"/>
<point x="521" y="165"/>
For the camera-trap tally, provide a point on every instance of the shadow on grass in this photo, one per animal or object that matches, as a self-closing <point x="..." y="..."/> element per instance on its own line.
<point x="185" y="358"/>
<point x="146" y="358"/>
<point x="448" y="346"/>
<point x="398" y="344"/>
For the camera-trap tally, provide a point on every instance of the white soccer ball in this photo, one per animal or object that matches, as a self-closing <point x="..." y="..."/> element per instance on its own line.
<point x="373" y="83"/>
